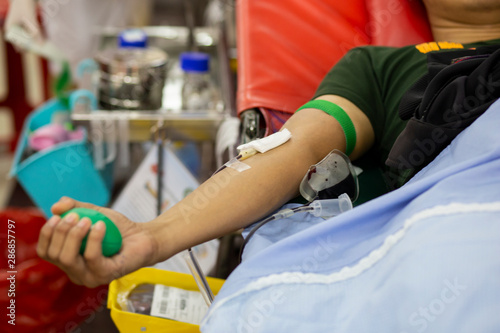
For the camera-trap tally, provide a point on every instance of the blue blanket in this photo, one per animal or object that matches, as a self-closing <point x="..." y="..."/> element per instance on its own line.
<point x="424" y="258"/>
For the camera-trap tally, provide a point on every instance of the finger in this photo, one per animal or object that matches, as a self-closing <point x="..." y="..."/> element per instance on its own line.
<point x="96" y="274"/>
<point x="65" y="204"/>
<point x="59" y="235"/>
<point x="93" y="250"/>
<point x="70" y="255"/>
<point x="45" y="236"/>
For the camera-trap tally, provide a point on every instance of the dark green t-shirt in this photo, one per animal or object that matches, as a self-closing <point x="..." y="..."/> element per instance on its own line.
<point x="375" y="78"/>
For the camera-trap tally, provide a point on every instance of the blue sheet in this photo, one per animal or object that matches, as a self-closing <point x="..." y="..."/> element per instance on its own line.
<point x="424" y="258"/>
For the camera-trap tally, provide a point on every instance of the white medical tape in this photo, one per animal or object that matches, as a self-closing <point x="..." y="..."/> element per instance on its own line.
<point x="267" y="143"/>
<point x="237" y="165"/>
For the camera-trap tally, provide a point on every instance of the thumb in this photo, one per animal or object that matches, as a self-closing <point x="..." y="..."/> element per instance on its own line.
<point x="64" y="204"/>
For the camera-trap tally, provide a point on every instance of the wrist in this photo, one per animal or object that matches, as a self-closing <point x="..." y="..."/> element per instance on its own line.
<point x="163" y="244"/>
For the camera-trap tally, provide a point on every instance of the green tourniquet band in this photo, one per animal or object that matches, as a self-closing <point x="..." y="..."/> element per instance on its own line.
<point x="340" y="115"/>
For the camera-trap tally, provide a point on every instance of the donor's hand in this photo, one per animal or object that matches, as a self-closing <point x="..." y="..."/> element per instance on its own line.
<point x="60" y="240"/>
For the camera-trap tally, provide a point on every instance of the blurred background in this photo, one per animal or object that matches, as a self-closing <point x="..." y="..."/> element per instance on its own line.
<point x="27" y="81"/>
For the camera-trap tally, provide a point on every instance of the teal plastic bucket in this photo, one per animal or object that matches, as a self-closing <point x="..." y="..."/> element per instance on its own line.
<point x="66" y="169"/>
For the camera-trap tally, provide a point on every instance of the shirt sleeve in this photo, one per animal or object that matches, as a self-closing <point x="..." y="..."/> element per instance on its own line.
<point x="354" y="78"/>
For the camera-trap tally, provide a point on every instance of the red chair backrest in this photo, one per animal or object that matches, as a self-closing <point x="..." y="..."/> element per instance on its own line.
<point x="285" y="47"/>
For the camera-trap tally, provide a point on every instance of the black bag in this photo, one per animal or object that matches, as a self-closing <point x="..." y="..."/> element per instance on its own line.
<point x="458" y="88"/>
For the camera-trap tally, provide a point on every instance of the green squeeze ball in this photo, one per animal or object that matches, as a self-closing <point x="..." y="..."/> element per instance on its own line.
<point x="112" y="241"/>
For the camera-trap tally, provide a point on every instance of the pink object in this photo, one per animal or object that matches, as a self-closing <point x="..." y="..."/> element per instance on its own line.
<point x="77" y="134"/>
<point x="52" y="134"/>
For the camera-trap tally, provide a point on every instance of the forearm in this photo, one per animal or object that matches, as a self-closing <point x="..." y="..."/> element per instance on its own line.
<point x="231" y="200"/>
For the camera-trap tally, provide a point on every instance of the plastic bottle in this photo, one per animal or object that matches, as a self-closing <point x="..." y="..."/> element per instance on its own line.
<point x="198" y="91"/>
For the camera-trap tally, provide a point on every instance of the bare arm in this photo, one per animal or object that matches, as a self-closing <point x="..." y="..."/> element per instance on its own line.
<point x="239" y="199"/>
<point x="226" y="202"/>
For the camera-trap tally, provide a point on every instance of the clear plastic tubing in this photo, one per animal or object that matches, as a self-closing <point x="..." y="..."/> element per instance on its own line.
<point x="331" y="207"/>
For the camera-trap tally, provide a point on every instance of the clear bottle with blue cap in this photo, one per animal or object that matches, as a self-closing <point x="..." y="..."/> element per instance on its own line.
<point x="198" y="91"/>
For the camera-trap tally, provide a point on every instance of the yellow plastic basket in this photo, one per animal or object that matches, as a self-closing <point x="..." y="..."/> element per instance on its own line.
<point x="128" y="322"/>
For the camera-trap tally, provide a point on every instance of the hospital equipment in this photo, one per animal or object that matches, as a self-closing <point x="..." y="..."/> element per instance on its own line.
<point x="342" y="118"/>
<point x="136" y="322"/>
<point x="199" y="277"/>
<point x="257" y="146"/>
<point x="265" y="144"/>
<point x="330" y="177"/>
<point x="318" y="208"/>
<point x="132" y="76"/>
<point x="166" y="302"/>
<point x="134" y="125"/>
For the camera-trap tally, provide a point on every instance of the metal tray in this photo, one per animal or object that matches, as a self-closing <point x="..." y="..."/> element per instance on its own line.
<point x="181" y="124"/>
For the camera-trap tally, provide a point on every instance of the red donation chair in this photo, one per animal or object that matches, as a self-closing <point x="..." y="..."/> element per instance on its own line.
<point x="285" y="48"/>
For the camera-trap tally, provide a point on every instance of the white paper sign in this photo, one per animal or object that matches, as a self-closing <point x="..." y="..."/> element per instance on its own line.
<point x="138" y="201"/>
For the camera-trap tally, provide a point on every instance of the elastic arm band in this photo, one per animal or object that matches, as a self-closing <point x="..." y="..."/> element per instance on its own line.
<point x="340" y="115"/>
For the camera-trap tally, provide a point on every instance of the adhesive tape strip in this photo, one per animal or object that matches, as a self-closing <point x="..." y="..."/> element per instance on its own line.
<point x="269" y="142"/>
<point x="237" y="165"/>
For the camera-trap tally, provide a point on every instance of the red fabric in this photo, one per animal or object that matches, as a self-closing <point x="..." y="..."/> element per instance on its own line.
<point x="397" y="22"/>
<point x="286" y="47"/>
<point x="283" y="49"/>
<point x="45" y="299"/>
<point x="16" y="96"/>
<point x="274" y="119"/>
<point x="4" y="7"/>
